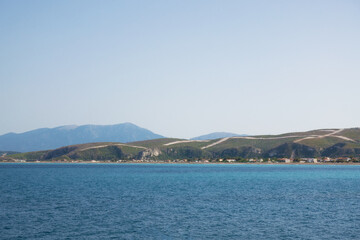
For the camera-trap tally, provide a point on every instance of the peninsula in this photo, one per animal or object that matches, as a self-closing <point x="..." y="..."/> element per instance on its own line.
<point x="316" y="146"/>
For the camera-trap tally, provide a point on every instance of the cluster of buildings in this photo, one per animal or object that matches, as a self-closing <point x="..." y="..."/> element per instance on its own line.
<point x="219" y="160"/>
<point x="313" y="160"/>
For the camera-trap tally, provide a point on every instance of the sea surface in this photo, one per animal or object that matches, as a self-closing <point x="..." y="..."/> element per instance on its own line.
<point x="179" y="201"/>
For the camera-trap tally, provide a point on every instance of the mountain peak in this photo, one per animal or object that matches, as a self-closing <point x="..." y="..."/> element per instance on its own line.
<point x="49" y="138"/>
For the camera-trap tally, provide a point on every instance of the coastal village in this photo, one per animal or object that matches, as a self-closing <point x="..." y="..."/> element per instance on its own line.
<point x="320" y="160"/>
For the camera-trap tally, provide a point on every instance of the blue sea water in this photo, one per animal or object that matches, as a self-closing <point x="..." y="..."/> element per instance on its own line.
<point x="174" y="201"/>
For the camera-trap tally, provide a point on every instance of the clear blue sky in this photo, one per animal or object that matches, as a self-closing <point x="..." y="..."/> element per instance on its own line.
<point x="180" y="68"/>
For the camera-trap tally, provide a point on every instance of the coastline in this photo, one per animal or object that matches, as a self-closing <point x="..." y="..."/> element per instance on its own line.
<point x="190" y="163"/>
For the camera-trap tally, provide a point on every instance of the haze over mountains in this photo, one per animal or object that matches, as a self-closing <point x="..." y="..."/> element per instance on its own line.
<point x="216" y="135"/>
<point x="50" y="138"/>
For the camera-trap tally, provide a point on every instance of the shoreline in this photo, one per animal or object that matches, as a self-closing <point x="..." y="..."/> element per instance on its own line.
<point x="190" y="163"/>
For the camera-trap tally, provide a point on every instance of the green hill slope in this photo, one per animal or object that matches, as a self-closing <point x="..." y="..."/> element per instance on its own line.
<point x="316" y="143"/>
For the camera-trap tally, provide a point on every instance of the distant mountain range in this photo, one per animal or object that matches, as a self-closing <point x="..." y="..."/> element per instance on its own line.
<point x="50" y="138"/>
<point x="315" y="143"/>
<point x="216" y="135"/>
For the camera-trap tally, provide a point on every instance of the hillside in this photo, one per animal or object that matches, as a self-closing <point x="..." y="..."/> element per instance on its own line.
<point x="3" y="153"/>
<point x="318" y="143"/>
<point x="50" y="138"/>
<point x="89" y="151"/>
